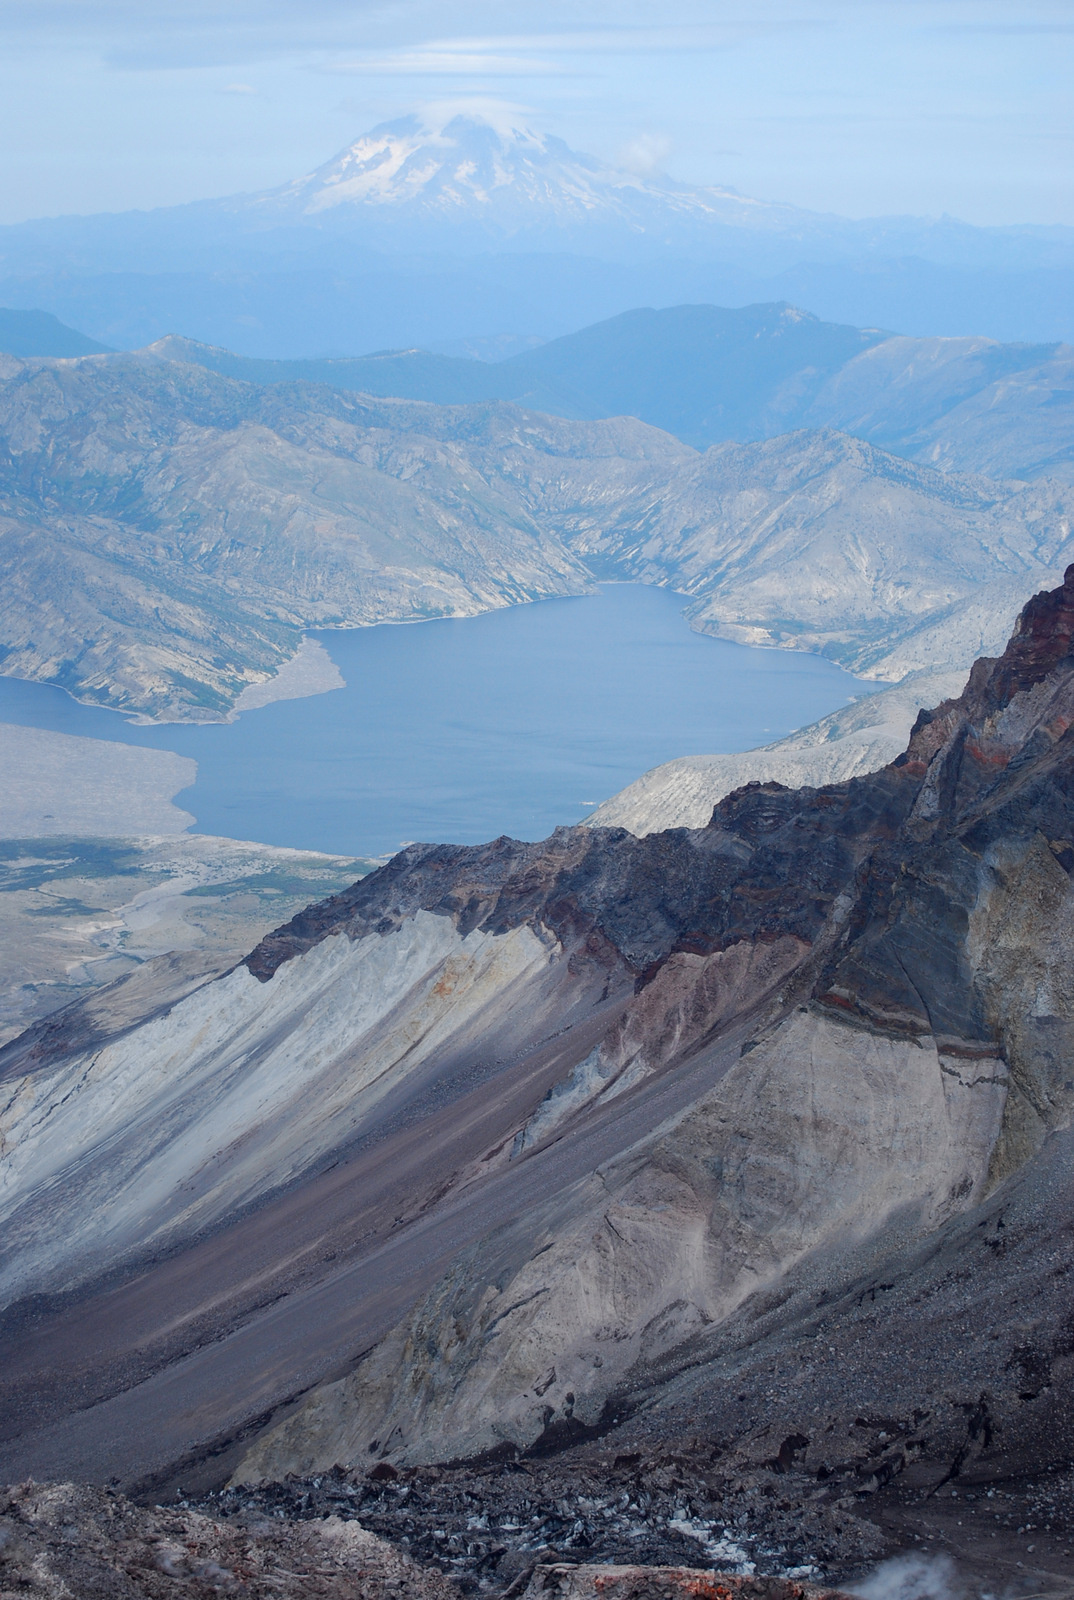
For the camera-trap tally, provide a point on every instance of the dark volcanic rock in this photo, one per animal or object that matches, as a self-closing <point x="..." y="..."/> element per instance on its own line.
<point x="491" y="1525"/>
<point x="770" y="863"/>
<point x="565" y="1582"/>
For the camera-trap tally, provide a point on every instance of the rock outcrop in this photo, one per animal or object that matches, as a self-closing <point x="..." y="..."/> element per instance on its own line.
<point x="664" y="1583"/>
<point x="493" y="1525"/>
<point x="68" y="1539"/>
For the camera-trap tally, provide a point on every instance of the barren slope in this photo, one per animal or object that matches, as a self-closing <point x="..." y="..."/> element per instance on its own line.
<point x="818" y="541"/>
<point x="964" y="405"/>
<point x="927" y="1065"/>
<point x="166" y="533"/>
<point x="595" y="1109"/>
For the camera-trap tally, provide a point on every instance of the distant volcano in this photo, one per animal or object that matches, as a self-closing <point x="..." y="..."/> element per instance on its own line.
<point x="510" y="182"/>
<point x="470" y="182"/>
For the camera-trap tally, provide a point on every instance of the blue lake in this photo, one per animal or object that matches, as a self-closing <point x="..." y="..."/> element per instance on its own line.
<point x="510" y="722"/>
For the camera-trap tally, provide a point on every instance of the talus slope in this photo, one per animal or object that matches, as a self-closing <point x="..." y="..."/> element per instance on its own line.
<point x="925" y="1062"/>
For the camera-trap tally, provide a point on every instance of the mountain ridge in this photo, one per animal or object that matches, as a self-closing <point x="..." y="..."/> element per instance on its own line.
<point x="894" y="965"/>
<point x="38" y="333"/>
<point x="708" y="374"/>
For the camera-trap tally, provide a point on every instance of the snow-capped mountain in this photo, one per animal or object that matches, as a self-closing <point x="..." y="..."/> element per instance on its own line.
<point x="471" y="182"/>
<point x="509" y="181"/>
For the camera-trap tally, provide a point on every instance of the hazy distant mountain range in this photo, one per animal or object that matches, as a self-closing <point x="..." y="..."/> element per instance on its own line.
<point x="39" y="333"/>
<point x="707" y="374"/>
<point x="700" y="372"/>
<point x="420" y="235"/>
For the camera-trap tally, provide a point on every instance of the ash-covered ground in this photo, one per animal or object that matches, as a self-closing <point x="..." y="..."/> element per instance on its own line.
<point x="68" y="1541"/>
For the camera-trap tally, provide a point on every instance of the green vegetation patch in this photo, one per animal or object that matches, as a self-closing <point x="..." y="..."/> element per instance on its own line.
<point x="30" y="863"/>
<point x="278" y="882"/>
<point x="64" y="908"/>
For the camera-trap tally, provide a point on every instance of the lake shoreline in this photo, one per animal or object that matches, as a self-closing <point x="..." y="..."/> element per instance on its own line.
<point x="513" y="721"/>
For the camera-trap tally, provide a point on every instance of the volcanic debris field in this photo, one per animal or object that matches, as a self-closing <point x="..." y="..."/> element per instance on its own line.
<point x="488" y="1525"/>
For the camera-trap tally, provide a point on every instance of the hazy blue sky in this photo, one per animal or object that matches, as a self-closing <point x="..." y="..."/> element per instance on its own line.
<point x="856" y="106"/>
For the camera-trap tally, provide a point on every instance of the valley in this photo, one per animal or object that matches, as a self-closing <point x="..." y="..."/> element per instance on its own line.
<point x="78" y="913"/>
<point x="610" y="1157"/>
<point x="189" y="529"/>
<point x="461" y="729"/>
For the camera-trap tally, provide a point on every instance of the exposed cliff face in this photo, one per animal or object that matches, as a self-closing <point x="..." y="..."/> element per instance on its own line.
<point x="817" y="1130"/>
<point x="583" y="1105"/>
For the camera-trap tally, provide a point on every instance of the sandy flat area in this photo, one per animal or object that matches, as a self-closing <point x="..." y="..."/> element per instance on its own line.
<point x="59" y="783"/>
<point x="78" y="912"/>
<point x="310" y="670"/>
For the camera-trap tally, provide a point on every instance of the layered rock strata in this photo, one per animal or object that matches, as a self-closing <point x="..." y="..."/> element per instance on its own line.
<point x="921" y="918"/>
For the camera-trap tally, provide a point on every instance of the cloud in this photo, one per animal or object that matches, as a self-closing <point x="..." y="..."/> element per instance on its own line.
<point x="167" y="34"/>
<point x="645" y="154"/>
<point x="670" y="37"/>
<point x="446" y="62"/>
<point x="551" y="55"/>
<point x="238" y="88"/>
<point x="503" y="115"/>
<point x="642" y="39"/>
<point x="384" y="37"/>
<point x="1005" y="28"/>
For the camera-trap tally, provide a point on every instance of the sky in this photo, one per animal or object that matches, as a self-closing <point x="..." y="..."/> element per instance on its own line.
<point x="861" y="107"/>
